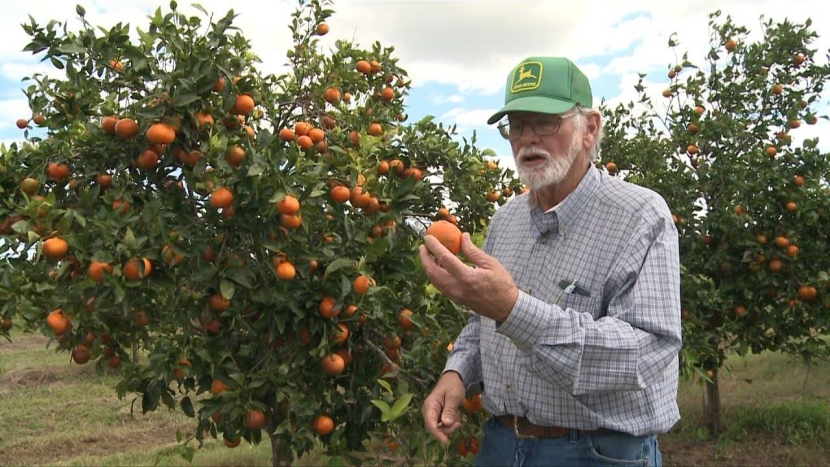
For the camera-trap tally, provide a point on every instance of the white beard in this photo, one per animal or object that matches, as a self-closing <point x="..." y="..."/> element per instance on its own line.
<point x="552" y="171"/>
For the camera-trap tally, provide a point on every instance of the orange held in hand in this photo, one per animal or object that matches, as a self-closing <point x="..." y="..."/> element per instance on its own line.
<point x="447" y="233"/>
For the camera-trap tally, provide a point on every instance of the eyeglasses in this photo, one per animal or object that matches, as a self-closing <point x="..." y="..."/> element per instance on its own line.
<point x="541" y="127"/>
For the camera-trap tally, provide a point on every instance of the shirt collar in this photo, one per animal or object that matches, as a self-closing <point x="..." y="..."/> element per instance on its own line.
<point x="569" y="209"/>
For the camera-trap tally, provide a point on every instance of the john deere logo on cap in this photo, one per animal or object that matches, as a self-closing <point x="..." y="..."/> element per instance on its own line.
<point x="526" y="76"/>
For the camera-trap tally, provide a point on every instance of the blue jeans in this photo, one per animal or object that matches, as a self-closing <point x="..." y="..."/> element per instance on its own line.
<point x="500" y="447"/>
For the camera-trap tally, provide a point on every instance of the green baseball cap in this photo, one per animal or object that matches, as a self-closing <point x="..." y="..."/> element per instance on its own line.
<point x="550" y="85"/>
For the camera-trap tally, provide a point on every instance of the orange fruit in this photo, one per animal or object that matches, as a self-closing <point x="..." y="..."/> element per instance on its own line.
<point x="782" y="242"/>
<point x="359" y="197"/>
<point x="108" y="124"/>
<point x="29" y="186"/>
<point x="730" y="44"/>
<point x="231" y="443"/>
<point x="244" y="105"/>
<point x="473" y="404"/>
<point x="302" y="128"/>
<point x="775" y="265"/>
<point x="219" y="85"/>
<point x="375" y="129"/>
<point x="221" y="198"/>
<point x="234" y="155"/>
<point x="254" y="419"/>
<point x="170" y="256"/>
<point x="291" y="222"/>
<point x="203" y="118"/>
<point x="364" y="67"/>
<point x="57" y="171"/>
<point x="59" y="323"/>
<point x="361" y="284"/>
<point x="287" y="134"/>
<point x="316" y="135"/>
<point x="322" y="29"/>
<point x="286" y="271"/>
<point x="55" y="248"/>
<point x="414" y="172"/>
<point x="791" y="206"/>
<point x="161" y="133"/>
<point x="692" y="149"/>
<point x="772" y="151"/>
<point x="403" y="319"/>
<point x="322" y="425"/>
<point x="121" y="206"/>
<point x="126" y="128"/>
<point x="333" y="364"/>
<point x="81" y="354"/>
<point x="148" y="160"/>
<point x="132" y="269"/>
<point x="327" y="309"/>
<point x="340" y="194"/>
<point x="341" y="337"/>
<point x="807" y="293"/>
<point x="777" y="89"/>
<point x="331" y="95"/>
<point x="387" y="93"/>
<point x="740" y="311"/>
<point x="447" y="233"/>
<point x="219" y="303"/>
<point x="288" y="205"/>
<point x="305" y="143"/>
<point x="218" y="387"/>
<point x="97" y="269"/>
<point x="798" y="180"/>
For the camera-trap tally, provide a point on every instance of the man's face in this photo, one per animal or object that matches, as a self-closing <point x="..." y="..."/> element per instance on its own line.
<point x="543" y="158"/>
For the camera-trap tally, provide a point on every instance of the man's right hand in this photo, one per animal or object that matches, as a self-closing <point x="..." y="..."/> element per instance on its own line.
<point x="440" y="409"/>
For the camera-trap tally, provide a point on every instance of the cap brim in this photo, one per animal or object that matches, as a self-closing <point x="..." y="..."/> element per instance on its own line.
<point x="545" y="105"/>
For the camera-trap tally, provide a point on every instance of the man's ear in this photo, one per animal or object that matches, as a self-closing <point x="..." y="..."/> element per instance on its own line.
<point x="592" y="125"/>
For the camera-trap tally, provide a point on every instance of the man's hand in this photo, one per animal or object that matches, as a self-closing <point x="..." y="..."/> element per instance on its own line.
<point x="440" y="409"/>
<point x="487" y="289"/>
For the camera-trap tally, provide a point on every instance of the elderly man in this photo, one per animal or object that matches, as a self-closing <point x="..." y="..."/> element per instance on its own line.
<point x="575" y="327"/>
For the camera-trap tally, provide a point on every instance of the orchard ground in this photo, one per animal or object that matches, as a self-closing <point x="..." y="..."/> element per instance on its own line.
<point x="59" y="413"/>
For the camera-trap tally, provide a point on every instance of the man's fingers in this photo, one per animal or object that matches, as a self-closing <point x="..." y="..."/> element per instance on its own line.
<point x="472" y="252"/>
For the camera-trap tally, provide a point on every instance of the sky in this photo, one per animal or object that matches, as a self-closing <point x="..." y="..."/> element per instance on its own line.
<point x="457" y="52"/>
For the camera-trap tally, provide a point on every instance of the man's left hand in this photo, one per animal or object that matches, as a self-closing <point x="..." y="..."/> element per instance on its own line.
<point x="487" y="289"/>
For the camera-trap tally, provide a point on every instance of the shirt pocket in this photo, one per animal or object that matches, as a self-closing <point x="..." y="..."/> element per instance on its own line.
<point x="582" y="304"/>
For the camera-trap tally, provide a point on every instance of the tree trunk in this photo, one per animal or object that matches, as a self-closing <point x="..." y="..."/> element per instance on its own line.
<point x="712" y="414"/>
<point x="281" y="455"/>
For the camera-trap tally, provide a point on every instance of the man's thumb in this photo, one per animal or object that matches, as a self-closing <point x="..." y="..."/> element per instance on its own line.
<point x="449" y="415"/>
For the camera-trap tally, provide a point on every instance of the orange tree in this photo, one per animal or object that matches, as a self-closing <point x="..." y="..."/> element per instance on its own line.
<point x="240" y="246"/>
<point x="749" y="202"/>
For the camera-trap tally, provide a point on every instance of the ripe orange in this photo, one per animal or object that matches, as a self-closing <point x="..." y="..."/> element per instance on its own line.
<point x="302" y="128"/>
<point x="219" y="303"/>
<point x="305" y="143"/>
<point x="121" y="205"/>
<point x="333" y="364"/>
<point x="322" y="425"/>
<point x="798" y="59"/>
<point x="341" y="337"/>
<point x="244" y="105"/>
<point x="22" y="123"/>
<point x="611" y="167"/>
<point x="340" y="194"/>
<point x="161" y="133"/>
<point x="740" y="311"/>
<point x="170" y="256"/>
<point x="59" y="323"/>
<point x="108" y="124"/>
<point x="375" y="66"/>
<point x="772" y="151"/>
<point x="81" y="354"/>
<point x="799" y="180"/>
<point x="231" y="443"/>
<point x="375" y="129"/>
<point x="55" y="248"/>
<point x="204" y="119"/>
<point x="291" y="222"/>
<point x="792" y="251"/>
<point x="218" y="387"/>
<point x="126" y="128"/>
<point x="359" y="197"/>
<point x="364" y="67"/>
<point x="791" y="206"/>
<point x="221" y="198"/>
<point x="234" y="155"/>
<point x="287" y="134"/>
<point x="288" y="205"/>
<point x="322" y="29"/>
<point x="219" y="85"/>
<point x="97" y="269"/>
<point x="667" y="93"/>
<point x="327" y="308"/>
<point x="148" y="160"/>
<point x="692" y="149"/>
<point x="447" y="233"/>
<point x="415" y="173"/>
<point x="730" y="44"/>
<point x="387" y="93"/>
<point x="131" y="269"/>
<point x="286" y="271"/>
<point x="775" y="265"/>
<point x="693" y="128"/>
<point x="403" y="319"/>
<point x="807" y="293"/>
<point x="782" y="242"/>
<point x="473" y="404"/>
<point x="316" y="135"/>
<point x="331" y="95"/>
<point x="777" y="89"/>
<point x="57" y="171"/>
<point x="254" y="419"/>
<point x="361" y="284"/>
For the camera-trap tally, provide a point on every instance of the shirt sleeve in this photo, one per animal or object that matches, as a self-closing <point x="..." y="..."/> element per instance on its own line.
<point x="626" y="350"/>
<point x="465" y="357"/>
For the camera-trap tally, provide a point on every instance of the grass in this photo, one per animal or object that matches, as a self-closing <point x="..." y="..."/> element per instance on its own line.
<point x="56" y="413"/>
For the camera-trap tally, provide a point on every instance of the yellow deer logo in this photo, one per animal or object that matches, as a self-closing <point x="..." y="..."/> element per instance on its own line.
<point x="525" y="74"/>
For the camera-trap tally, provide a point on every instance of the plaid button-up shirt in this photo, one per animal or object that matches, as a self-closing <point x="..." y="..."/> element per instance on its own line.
<point x="593" y="339"/>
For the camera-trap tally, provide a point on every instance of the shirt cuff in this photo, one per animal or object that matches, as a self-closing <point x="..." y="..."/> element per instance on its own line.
<point x="458" y="365"/>
<point x="528" y="321"/>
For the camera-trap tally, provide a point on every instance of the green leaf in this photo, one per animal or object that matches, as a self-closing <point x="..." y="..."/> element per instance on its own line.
<point x="57" y="63"/>
<point x="71" y="49"/>
<point x="384" y="409"/>
<point x="338" y="264"/>
<point x="80" y="10"/>
<point x="129" y="239"/>
<point x="400" y="407"/>
<point x="386" y="385"/>
<point x="227" y="288"/>
<point x="240" y="276"/>
<point x="187" y="407"/>
<point x="78" y="217"/>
